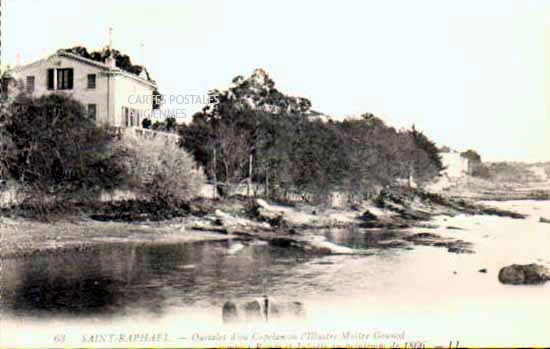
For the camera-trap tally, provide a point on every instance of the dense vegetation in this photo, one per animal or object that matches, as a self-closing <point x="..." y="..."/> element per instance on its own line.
<point x="506" y="171"/>
<point x="253" y="132"/>
<point x="56" y="156"/>
<point x="54" y="152"/>
<point x="254" y="128"/>
<point x="512" y="172"/>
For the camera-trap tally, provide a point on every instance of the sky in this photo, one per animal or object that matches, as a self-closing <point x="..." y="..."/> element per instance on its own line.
<point x="469" y="74"/>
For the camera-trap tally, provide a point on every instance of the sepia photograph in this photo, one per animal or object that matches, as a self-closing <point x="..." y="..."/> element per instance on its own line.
<point x="267" y="174"/>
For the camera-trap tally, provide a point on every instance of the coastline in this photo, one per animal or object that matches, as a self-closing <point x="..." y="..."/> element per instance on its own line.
<point x="387" y="221"/>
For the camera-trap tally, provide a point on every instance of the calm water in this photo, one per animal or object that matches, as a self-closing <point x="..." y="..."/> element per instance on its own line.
<point x="425" y="293"/>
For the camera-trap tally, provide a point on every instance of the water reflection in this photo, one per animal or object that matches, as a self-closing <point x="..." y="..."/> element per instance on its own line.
<point x="358" y="239"/>
<point x="112" y="277"/>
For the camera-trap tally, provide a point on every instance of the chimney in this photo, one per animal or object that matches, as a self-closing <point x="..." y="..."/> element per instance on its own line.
<point x="110" y="60"/>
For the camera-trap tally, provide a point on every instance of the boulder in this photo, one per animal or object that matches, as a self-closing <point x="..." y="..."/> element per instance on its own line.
<point x="516" y="274"/>
<point x="264" y="309"/>
<point x="252" y="309"/>
<point x="229" y="312"/>
<point x="368" y="216"/>
<point x="393" y="243"/>
<point x="262" y="211"/>
<point x="296" y="308"/>
<point x="281" y="309"/>
<point x="284" y="242"/>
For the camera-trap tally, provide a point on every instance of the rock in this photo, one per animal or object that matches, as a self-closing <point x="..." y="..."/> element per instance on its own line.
<point x="253" y="309"/>
<point x="459" y="246"/>
<point x="383" y="225"/>
<point x="279" y="309"/>
<point x="459" y="250"/>
<point x="208" y="228"/>
<point x="263" y="309"/>
<point x="278" y="222"/>
<point x="368" y="216"/>
<point x="283" y="242"/>
<point x="516" y="274"/>
<point x="262" y="203"/>
<point x="426" y="226"/>
<point x="296" y="308"/>
<point x="425" y="236"/>
<point x="355" y="207"/>
<point x="263" y="212"/>
<point x="483" y="270"/>
<point x="317" y="251"/>
<point x="544" y="220"/>
<point x="429" y="239"/>
<point x="229" y="312"/>
<point x="393" y="243"/>
<point x="502" y="213"/>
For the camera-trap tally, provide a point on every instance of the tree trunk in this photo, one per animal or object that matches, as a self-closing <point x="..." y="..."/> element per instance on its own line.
<point x="248" y="191"/>
<point x="215" y="176"/>
<point x="267" y="183"/>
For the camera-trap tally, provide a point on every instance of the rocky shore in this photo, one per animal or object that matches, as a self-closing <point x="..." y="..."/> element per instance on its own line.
<point x="385" y="221"/>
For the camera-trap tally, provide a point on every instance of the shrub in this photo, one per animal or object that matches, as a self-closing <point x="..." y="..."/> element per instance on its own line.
<point x="170" y="124"/>
<point x="55" y="152"/>
<point x="156" y="125"/>
<point x="146" y="123"/>
<point x="162" y="171"/>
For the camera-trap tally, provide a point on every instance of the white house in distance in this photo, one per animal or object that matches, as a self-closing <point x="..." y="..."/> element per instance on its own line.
<point x="456" y="164"/>
<point x="112" y="96"/>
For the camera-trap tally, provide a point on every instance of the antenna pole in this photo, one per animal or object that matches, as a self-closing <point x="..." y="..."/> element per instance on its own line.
<point x="110" y="38"/>
<point x="142" y="47"/>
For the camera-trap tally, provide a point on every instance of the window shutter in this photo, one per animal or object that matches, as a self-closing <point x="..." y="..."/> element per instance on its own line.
<point x="50" y="79"/>
<point x="91" y="80"/>
<point x="70" y="87"/>
<point x="92" y="111"/>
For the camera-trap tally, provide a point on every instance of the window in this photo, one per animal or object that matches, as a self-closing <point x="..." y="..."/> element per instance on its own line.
<point x="65" y="79"/>
<point x="50" y="79"/>
<point x="92" y="111"/>
<point x="132" y="117"/>
<point x="126" y="119"/>
<point x="91" y="80"/>
<point x="30" y="84"/>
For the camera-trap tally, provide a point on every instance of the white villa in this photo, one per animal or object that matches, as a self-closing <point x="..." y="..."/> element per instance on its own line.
<point x="456" y="164"/>
<point x="112" y="96"/>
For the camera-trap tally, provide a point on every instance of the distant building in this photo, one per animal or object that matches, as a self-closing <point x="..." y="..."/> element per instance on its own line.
<point x="111" y="96"/>
<point x="456" y="164"/>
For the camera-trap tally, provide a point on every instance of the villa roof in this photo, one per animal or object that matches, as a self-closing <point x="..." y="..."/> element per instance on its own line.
<point x="88" y="61"/>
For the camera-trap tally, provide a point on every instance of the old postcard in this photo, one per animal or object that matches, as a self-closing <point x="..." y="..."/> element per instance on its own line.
<point x="366" y="174"/>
